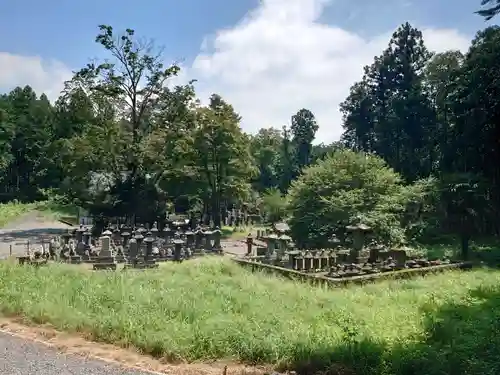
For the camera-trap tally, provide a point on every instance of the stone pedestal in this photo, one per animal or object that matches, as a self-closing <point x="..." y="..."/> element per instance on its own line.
<point x="217" y="236"/>
<point x="141" y="264"/>
<point x="75" y="259"/>
<point x="178" y="249"/>
<point x="208" y="246"/>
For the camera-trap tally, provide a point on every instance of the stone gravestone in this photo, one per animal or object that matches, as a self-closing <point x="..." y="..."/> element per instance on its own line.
<point x="106" y="259"/>
<point x="149" y="260"/>
<point x="198" y="239"/>
<point x="216" y="235"/>
<point x="133" y="250"/>
<point x="74" y="257"/>
<point x="189" y="239"/>
<point x="359" y="232"/>
<point x="207" y="239"/>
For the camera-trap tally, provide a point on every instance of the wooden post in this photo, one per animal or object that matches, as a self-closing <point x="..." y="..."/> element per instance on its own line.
<point x="10" y="250"/>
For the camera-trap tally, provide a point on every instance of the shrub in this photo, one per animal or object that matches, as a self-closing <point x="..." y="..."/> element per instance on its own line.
<point x="346" y="187"/>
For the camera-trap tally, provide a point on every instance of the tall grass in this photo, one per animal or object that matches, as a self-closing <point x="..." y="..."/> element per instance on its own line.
<point x="212" y="309"/>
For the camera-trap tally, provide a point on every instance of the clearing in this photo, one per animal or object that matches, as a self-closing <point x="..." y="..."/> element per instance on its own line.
<point x="28" y="225"/>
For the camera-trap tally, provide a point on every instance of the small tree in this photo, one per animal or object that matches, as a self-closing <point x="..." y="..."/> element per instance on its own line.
<point x="273" y="205"/>
<point x="344" y="187"/>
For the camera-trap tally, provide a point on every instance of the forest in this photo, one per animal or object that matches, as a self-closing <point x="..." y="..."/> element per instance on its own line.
<point x="416" y="159"/>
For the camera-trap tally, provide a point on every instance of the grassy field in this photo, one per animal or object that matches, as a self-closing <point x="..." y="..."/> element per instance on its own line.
<point x="212" y="309"/>
<point x="13" y="210"/>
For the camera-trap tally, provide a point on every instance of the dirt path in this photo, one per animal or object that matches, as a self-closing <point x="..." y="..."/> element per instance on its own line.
<point x="34" y="227"/>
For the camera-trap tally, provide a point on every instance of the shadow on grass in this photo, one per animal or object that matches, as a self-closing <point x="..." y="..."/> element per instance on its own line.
<point x="458" y="339"/>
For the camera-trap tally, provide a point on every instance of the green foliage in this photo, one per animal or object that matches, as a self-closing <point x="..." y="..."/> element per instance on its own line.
<point x="345" y="187"/>
<point x="490" y="9"/>
<point x="274" y="205"/>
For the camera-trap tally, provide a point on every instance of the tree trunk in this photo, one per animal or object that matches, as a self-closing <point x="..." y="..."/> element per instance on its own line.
<point x="216" y="214"/>
<point x="465" y="239"/>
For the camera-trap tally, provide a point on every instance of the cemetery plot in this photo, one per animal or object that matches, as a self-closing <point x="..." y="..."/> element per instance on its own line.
<point x="137" y="247"/>
<point x="349" y="258"/>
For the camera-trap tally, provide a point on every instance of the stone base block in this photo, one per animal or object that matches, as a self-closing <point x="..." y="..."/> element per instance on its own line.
<point x="105" y="260"/>
<point x="120" y="259"/>
<point x="75" y="259"/>
<point x="141" y="266"/>
<point x="104" y="266"/>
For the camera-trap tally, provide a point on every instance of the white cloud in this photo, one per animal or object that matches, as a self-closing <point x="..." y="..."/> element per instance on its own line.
<point x="43" y="76"/>
<point x="278" y="59"/>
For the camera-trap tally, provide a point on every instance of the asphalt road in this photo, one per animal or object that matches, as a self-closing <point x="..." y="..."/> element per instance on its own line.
<point x="21" y="357"/>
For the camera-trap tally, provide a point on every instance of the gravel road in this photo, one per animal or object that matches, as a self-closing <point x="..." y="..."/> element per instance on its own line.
<point x="20" y="357"/>
<point x="34" y="228"/>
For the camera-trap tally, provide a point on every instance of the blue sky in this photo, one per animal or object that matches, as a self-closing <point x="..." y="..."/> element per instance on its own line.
<point x="243" y="63"/>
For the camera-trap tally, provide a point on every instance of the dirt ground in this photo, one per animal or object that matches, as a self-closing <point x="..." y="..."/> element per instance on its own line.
<point x="33" y="228"/>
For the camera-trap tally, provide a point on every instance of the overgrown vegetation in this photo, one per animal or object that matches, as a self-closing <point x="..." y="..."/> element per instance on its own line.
<point x="439" y="324"/>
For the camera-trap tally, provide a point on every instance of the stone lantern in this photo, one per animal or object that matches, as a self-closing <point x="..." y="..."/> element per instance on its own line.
<point x="283" y="241"/>
<point x="86" y="237"/>
<point x="149" y="240"/>
<point x="292" y="259"/>
<point x="166" y="233"/>
<point x="281" y="228"/>
<point x="335" y="242"/>
<point x="271" y="244"/>
<point x="282" y="246"/>
<point x="189" y="238"/>
<point x="107" y="232"/>
<point x="359" y="232"/>
<point x="178" y="242"/>
<point x="125" y="237"/>
<point x="178" y="232"/>
<point x="79" y="234"/>
<point x="142" y="230"/>
<point x="139" y="238"/>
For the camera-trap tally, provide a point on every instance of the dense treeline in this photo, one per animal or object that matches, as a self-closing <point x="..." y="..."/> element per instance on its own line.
<point x="122" y="141"/>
